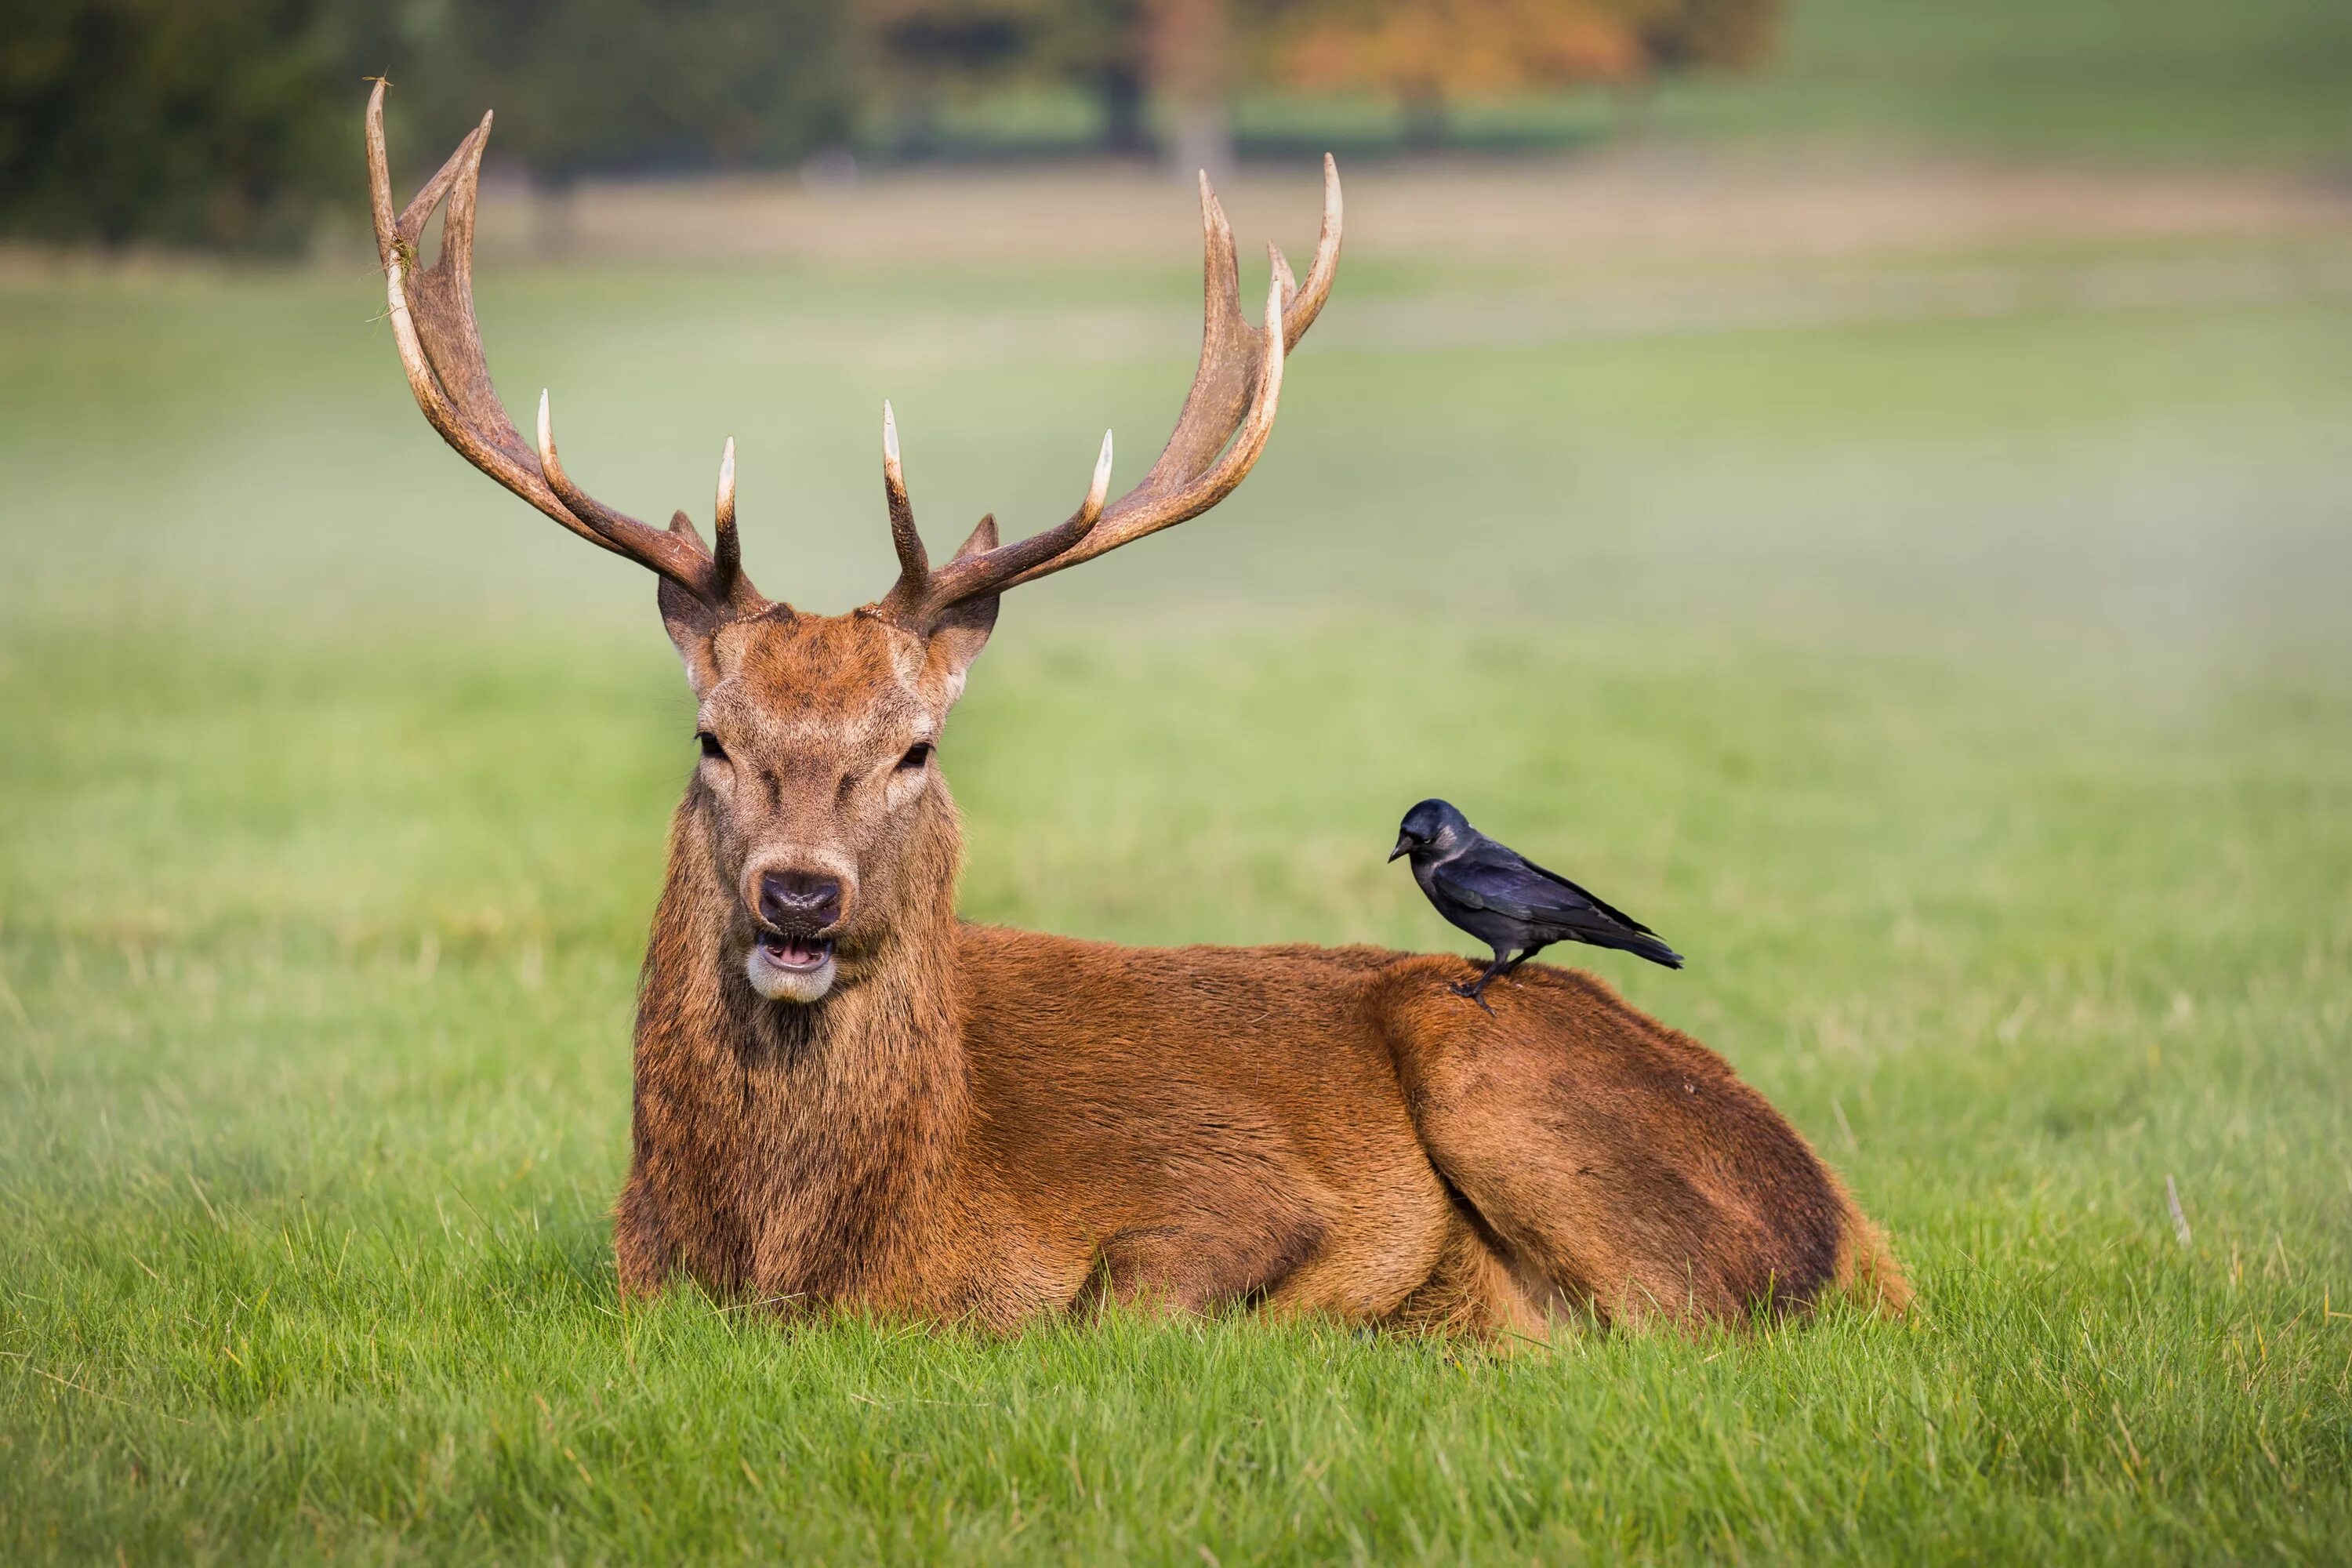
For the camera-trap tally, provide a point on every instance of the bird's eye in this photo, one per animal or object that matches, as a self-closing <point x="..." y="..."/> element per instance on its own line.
<point x="711" y="746"/>
<point x="916" y="756"/>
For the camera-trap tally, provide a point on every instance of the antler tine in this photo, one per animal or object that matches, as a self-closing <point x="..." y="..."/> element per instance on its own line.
<point x="1098" y="491"/>
<point x="1227" y="418"/>
<point x="1148" y="508"/>
<point x="440" y="343"/>
<point x="613" y="526"/>
<point x="914" y="561"/>
<point x="1299" y="313"/>
<point x="974" y="571"/>
<point x="727" y="554"/>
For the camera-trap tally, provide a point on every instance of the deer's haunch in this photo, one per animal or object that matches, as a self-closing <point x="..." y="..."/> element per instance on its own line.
<point x="847" y="1096"/>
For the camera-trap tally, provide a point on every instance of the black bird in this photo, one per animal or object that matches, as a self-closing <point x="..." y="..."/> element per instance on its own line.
<point x="1508" y="901"/>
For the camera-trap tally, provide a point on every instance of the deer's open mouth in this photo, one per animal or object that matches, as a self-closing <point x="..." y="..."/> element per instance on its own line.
<point x="784" y="967"/>
<point x="806" y="953"/>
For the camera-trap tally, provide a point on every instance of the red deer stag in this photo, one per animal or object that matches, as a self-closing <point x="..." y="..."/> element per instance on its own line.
<point x="847" y="1096"/>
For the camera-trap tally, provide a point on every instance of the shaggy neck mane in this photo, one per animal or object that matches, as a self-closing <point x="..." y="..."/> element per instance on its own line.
<point x="820" y="1138"/>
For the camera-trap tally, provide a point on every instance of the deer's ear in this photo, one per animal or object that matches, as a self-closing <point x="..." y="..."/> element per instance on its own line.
<point x="956" y="639"/>
<point x="961" y="631"/>
<point x="693" y="627"/>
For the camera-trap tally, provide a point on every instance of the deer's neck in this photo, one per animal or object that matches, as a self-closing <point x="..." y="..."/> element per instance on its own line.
<point x="822" y="1140"/>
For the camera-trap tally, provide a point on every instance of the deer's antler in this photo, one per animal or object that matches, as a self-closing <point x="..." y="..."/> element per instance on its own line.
<point x="431" y="313"/>
<point x="1225" y="424"/>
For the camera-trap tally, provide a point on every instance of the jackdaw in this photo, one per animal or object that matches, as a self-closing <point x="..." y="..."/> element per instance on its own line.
<point x="1508" y="901"/>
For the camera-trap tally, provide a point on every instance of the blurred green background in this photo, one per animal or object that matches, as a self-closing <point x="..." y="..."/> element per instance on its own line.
<point x="1878" y="506"/>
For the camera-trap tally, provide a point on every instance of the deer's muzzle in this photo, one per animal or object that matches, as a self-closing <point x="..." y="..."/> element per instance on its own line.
<point x="798" y="903"/>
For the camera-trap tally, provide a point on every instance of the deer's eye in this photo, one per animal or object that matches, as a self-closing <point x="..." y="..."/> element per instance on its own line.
<point x="916" y="756"/>
<point x="711" y="746"/>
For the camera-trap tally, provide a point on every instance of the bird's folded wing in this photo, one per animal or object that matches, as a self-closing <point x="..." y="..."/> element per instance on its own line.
<point x="1611" y="910"/>
<point x="1513" y="888"/>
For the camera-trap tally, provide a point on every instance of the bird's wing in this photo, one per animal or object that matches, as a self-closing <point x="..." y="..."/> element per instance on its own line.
<point x="1611" y="910"/>
<point x="1493" y="878"/>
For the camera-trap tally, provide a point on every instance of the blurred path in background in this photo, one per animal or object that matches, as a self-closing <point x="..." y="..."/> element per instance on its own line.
<point x="1512" y="215"/>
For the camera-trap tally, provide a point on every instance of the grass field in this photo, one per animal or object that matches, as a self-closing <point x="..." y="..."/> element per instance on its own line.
<point x="2256" y="81"/>
<point x="1969" y="693"/>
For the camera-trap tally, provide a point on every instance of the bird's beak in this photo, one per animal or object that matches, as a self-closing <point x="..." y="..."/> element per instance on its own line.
<point x="1404" y="846"/>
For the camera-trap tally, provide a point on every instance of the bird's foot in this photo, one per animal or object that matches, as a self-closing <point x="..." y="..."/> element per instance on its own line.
<point x="1477" y="992"/>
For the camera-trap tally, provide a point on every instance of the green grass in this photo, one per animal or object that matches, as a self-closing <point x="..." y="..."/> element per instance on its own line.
<point x="2166" y="81"/>
<point x="1970" y="699"/>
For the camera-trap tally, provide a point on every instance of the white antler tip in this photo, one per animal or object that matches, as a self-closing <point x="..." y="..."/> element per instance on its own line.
<point x="546" y="424"/>
<point x="890" y="432"/>
<point x="1099" y="490"/>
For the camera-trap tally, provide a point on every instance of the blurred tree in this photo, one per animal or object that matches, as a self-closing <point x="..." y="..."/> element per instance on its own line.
<point x="601" y="86"/>
<point x="1183" y="57"/>
<point x="1133" y="54"/>
<point x="1105" y="46"/>
<point x="1691" y="34"/>
<point x="185" y="121"/>
<point x="1189" y="44"/>
<point x="922" y="50"/>
<point x="231" y="122"/>
<point x="1426" y="53"/>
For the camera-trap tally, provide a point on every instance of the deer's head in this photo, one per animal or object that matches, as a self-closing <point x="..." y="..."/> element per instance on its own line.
<point x="818" y="781"/>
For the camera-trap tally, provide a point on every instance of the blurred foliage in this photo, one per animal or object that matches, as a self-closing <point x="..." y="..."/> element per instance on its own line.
<point x="1682" y="35"/>
<point x="189" y="122"/>
<point x="1418" y="54"/>
<point x="1423" y="51"/>
<point x="1427" y="49"/>
<point x="598" y="85"/>
<point x="231" y="122"/>
<point x="917" y="51"/>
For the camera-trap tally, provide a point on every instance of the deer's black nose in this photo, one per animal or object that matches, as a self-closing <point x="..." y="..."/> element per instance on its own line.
<point x="798" y="902"/>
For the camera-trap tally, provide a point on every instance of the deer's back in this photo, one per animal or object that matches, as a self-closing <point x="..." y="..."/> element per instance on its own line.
<point x="1187" y="1037"/>
<point x="1618" y="1160"/>
<point x="1218" y="1122"/>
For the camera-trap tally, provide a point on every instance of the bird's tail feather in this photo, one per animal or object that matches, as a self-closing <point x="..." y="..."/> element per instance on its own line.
<point x="1642" y="946"/>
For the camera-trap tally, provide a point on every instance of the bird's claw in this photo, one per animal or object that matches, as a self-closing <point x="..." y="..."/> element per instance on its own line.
<point x="1476" y="993"/>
